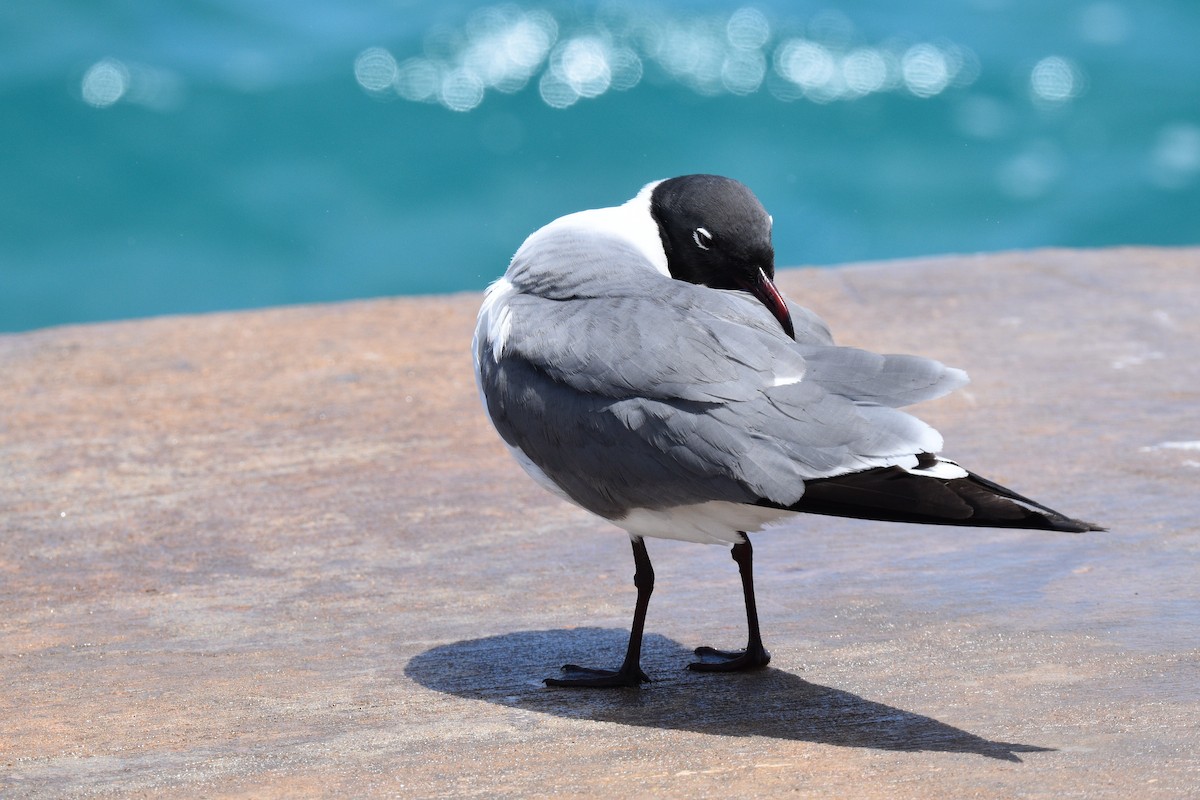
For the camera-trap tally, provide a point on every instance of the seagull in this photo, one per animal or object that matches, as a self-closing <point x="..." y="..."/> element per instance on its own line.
<point x="640" y="362"/>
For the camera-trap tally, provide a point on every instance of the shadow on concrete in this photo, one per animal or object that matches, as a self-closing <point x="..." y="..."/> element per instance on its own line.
<point x="507" y="670"/>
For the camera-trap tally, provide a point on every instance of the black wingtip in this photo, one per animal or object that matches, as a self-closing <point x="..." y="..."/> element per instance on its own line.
<point x="894" y="494"/>
<point x="1055" y="520"/>
<point x="1068" y="525"/>
<point x="1081" y="526"/>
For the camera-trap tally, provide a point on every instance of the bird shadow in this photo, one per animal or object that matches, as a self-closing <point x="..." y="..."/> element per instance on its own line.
<point x="507" y="670"/>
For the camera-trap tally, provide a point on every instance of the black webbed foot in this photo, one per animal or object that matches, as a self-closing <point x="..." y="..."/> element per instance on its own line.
<point x="730" y="660"/>
<point x="588" y="678"/>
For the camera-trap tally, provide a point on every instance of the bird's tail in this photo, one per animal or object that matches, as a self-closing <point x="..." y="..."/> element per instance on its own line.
<point x="896" y="495"/>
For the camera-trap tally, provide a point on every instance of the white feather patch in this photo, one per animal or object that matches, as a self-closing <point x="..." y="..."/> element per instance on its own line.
<point x="943" y="468"/>
<point x="714" y="522"/>
<point x="495" y="317"/>
<point x="630" y="221"/>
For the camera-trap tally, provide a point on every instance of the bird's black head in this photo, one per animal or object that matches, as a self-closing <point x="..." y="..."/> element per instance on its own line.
<point x="715" y="233"/>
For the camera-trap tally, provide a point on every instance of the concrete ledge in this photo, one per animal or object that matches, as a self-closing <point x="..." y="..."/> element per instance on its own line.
<point x="281" y="554"/>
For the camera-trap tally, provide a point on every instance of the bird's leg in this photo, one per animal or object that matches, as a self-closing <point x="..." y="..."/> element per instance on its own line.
<point x="630" y="673"/>
<point x="755" y="655"/>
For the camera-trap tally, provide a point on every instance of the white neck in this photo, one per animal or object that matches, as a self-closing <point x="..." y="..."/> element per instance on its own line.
<point x="630" y="221"/>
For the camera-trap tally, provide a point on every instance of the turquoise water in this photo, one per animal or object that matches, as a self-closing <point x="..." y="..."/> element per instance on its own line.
<point x="162" y="158"/>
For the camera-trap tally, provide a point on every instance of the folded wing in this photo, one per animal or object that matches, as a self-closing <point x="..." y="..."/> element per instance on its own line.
<point x="653" y="393"/>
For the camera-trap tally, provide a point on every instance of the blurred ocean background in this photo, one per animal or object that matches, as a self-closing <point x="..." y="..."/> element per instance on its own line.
<point x="159" y="158"/>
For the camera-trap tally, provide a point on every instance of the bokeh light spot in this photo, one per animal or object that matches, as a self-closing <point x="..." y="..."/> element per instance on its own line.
<point x="747" y="29"/>
<point x="556" y="92"/>
<point x="1055" y="80"/>
<point x="743" y="71"/>
<point x="461" y="90"/>
<point x="582" y="62"/>
<point x="925" y="70"/>
<point x="807" y="64"/>
<point x="419" y="79"/>
<point x="626" y="69"/>
<point x="375" y="69"/>
<point x="105" y="83"/>
<point x="865" y="70"/>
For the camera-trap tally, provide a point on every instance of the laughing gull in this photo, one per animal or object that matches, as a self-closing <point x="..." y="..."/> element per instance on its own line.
<point x="639" y="362"/>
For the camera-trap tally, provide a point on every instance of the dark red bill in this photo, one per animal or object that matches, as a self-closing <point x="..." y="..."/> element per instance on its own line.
<point x="764" y="289"/>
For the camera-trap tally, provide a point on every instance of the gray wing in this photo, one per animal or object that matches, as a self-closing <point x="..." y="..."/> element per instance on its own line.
<point x="680" y="346"/>
<point x="676" y="394"/>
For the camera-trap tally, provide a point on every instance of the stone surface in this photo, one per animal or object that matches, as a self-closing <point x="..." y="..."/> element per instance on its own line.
<point x="281" y="554"/>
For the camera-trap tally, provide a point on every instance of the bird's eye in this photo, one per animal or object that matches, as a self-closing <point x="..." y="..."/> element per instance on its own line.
<point x="702" y="238"/>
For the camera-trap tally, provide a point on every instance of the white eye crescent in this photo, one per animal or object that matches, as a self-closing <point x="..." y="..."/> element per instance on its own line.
<point x="701" y="237"/>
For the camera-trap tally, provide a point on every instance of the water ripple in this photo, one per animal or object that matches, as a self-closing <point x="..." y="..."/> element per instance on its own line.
<point x="506" y="48"/>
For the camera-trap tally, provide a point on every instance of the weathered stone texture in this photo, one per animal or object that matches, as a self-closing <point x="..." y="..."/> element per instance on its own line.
<point x="281" y="553"/>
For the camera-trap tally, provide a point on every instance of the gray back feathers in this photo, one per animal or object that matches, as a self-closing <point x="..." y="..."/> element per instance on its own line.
<point x="632" y="390"/>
